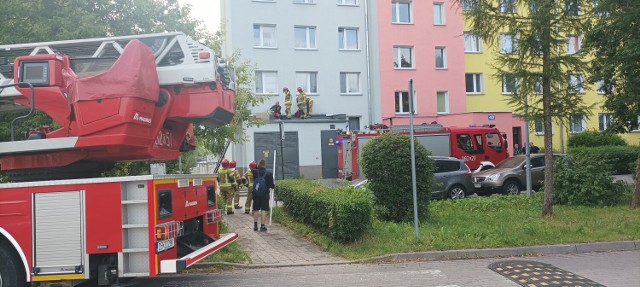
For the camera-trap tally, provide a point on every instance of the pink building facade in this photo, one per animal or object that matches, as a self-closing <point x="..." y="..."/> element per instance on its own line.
<point x="423" y="40"/>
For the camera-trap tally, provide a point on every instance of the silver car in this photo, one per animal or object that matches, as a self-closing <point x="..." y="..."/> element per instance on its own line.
<point x="452" y="178"/>
<point x="509" y="176"/>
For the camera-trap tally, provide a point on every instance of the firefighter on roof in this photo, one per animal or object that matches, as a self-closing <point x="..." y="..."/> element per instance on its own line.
<point x="288" y="100"/>
<point x="248" y="176"/>
<point x="301" y="101"/>
<point x="236" y="184"/>
<point x="226" y="186"/>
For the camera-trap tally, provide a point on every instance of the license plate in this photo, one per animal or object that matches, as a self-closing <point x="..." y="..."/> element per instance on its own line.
<point x="165" y="245"/>
<point x="476" y="185"/>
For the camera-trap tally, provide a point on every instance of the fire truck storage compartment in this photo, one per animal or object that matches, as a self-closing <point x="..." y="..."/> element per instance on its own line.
<point x="193" y="238"/>
<point x="133" y="261"/>
<point x="58" y="229"/>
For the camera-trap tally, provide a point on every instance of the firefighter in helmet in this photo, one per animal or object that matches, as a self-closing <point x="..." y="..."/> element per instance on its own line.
<point x="288" y="100"/>
<point x="236" y="184"/>
<point x="225" y="180"/>
<point x="301" y="101"/>
<point x="309" y="106"/>
<point x="248" y="176"/>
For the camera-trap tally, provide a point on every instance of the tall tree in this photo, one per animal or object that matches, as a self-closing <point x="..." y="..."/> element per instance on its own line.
<point x="613" y="40"/>
<point x="52" y="20"/>
<point x="533" y="62"/>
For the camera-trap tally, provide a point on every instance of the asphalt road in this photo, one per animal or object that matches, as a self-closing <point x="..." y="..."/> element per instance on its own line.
<point x="619" y="269"/>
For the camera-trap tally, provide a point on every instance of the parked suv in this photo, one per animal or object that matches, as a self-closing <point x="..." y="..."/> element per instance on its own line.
<point x="452" y="178"/>
<point x="509" y="176"/>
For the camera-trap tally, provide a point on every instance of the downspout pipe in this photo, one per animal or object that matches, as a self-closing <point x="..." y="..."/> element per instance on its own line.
<point x="368" y="55"/>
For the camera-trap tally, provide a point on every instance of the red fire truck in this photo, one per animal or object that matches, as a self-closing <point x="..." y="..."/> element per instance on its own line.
<point x="472" y="144"/>
<point x="112" y="99"/>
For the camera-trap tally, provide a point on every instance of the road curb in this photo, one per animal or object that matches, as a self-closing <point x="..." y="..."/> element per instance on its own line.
<point x="461" y="254"/>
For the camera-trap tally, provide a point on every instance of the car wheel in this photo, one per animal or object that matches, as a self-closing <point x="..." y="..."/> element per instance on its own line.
<point x="511" y="187"/>
<point x="457" y="192"/>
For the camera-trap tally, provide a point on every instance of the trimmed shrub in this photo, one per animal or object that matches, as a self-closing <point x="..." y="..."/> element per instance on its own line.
<point x="594" y="139"/>
<point x="344" y="213"/>
<point x="579" y="180"/>
<point x="386" y="163"/>
<point x="619" y="159"/>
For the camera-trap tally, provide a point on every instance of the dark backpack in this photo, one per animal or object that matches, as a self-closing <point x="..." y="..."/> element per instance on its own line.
<point x="260" y="184"/>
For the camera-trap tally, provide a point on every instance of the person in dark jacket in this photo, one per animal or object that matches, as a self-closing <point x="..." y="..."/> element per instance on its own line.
<point x="261" y="202"/>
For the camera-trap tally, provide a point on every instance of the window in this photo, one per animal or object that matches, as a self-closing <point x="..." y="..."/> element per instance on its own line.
<point x="266" y="82"/>
<point x="165" y="207"/>
<point x="473" y="83"/>
<point x="468" y="4"/>
<point x="264" y="36"/>
<point x="533" y="7"/>
<point x="537" y="86"/>
<point x="573" y="44"/>
<point x="600" y="87"/>
<point x="636" y="126"/>
<point x="402" y="102"/>
<point x="304" y="1"/>
<point x="401" y="12"/>
<point x="305" y="37"/>
<point x="348" y="39"/>
<point x="403" y="57"/>
<point x="350" y="83"/>
<point x="576" y="84"/>
<point x="443" y="165"/>
<point x="308" y="81"/>
<point x="471" y="42"/>
<point x="507" y="6"/>
<point x="572" y="8"/>
<point x="438" y="14"/>
<point x="443" y="102"/>
<point x="464" y="142"/>
<point x="597" y="11"/>
<point x="604" y="121"/>
<point x="441" y="58"/>
<point x="539" y="125"/>
<point x="508" y="43"/>
<point x="577" y="123"/>
<point x="348" y="2"/>
<point x="509" y="83"/>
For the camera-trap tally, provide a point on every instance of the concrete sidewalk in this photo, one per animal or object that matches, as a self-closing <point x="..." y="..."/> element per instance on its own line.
<point x="279" y="247"/>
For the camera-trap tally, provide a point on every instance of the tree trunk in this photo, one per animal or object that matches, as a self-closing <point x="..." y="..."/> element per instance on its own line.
<point x="635" y="200"/>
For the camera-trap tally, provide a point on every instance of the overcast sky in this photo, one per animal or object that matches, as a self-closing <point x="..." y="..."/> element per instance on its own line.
<point x="206" y="10"/>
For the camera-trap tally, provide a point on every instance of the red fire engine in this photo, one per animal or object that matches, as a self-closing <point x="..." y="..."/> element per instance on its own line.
<point x="472" y="144"/>
<point x="113" y="99"/>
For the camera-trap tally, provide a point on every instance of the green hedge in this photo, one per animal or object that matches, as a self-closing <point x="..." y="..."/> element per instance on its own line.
<point x="344" y="213"/>
<point x="583" y="181"/>
<point x="594" y="139"/>
<point x="622" y="159"/>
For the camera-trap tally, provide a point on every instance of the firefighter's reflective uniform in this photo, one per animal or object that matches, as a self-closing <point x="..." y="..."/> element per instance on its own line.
<point x="288" y="100"/>
<point x="301" y="101"/>
<point x="226" y="186"/>
<point x="248" y="176"/>
<point x="236" y="187"/>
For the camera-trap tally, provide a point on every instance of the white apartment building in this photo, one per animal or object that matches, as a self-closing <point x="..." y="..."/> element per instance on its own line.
<point x="319" y="45"/>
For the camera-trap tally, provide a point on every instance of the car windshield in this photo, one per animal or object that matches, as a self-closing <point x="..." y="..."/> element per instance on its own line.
<point x="511" y="162"/>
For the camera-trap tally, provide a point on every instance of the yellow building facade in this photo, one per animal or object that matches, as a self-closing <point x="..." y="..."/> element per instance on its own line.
<point x="486" y="93"/>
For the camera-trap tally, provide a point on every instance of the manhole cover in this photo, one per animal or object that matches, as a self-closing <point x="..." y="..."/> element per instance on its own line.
<point x="533" y="274"/>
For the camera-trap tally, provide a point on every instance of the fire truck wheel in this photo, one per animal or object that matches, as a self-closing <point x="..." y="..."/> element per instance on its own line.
<point x="457" y="192"/>
<point x="511" y="187"/>
<point x="11" y="271"/>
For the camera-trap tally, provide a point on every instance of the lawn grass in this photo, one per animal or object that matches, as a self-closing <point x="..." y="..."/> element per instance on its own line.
<point x="484" y="222"/>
